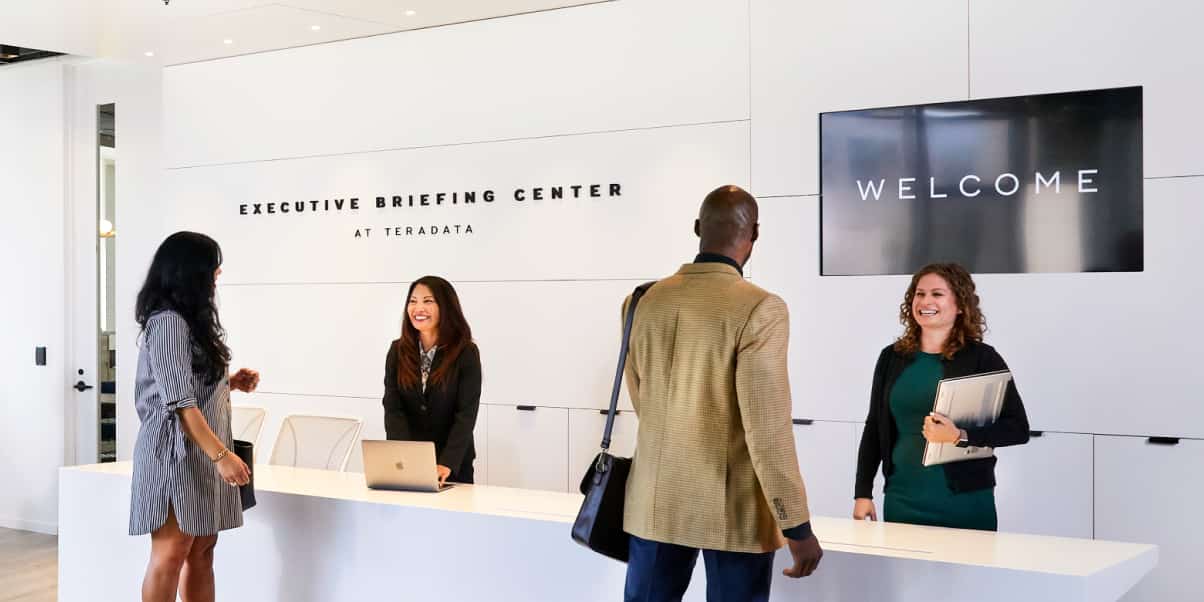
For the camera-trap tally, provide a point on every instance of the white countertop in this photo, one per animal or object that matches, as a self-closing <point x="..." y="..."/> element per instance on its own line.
<point x="1006" y="551"/>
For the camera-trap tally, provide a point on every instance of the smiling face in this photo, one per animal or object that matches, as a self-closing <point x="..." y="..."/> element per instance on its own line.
<point x="934" y="305"/>
<point x="423" y="311"/>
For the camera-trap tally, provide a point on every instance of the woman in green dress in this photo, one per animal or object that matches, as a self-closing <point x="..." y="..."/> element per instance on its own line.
<point x="942" y="338"/>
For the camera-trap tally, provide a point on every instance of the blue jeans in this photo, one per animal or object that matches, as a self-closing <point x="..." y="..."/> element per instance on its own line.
<point x="660" y="572"/>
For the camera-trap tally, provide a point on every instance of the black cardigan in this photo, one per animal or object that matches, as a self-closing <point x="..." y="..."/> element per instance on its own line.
<point x="445" y="414"/>
<point x="878" y="438"/>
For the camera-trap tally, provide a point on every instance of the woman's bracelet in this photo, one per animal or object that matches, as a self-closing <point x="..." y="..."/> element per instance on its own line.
<point x="221" y="454"/>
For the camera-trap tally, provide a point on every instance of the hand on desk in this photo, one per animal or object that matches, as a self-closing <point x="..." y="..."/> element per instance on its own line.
<point x="864" y="507"/>
<point x="444" y="472"/>
<point x="806" y="553"/>
<point x="940" y="429"/>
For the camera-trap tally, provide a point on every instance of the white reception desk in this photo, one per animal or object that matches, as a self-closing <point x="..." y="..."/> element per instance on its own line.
<point x="323" y="536"/>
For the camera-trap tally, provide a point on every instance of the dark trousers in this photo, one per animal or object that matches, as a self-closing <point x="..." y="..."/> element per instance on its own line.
<point x="464" y="475"/>
<point x="660" y="572"/>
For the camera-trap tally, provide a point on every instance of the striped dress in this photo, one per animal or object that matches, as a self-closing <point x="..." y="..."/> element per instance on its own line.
<point x="168" y="467"/>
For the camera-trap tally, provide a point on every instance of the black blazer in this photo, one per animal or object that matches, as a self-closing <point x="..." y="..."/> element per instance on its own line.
<point x="445" y="414"/>
<point x="878" y="438"/>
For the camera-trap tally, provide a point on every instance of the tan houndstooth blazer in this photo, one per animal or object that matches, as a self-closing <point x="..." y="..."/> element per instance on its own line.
<point x="715" y="466"/>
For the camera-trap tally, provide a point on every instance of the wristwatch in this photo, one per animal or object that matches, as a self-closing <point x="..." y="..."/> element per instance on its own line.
<point x="962" y="438"/>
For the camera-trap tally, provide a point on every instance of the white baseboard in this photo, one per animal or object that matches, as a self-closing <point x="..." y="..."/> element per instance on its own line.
<point x="37" y="526"/>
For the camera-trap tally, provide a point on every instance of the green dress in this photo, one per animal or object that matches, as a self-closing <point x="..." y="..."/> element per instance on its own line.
<point x="917" y="494"/>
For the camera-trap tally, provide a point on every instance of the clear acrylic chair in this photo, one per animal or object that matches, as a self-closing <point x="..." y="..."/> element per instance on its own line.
<point x="323" y="442"/>
<point x="246" y="422"/>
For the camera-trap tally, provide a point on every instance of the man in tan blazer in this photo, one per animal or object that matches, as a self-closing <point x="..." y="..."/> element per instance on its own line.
<point x="715" y="467"/>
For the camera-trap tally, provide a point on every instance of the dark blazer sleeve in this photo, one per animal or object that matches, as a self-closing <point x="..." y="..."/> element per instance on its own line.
<point x="468" y="403"/>
<point x="1012" y="426"/>
<point x="869" y="453"/>
<point x="397" y="428"/>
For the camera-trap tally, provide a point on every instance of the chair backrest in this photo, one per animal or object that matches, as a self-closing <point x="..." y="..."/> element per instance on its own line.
<point x="323" y="442"/>
<point x="246" y="422"/>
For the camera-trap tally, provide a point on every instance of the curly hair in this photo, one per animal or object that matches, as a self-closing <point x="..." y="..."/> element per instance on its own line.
<point x="970" y="324"/>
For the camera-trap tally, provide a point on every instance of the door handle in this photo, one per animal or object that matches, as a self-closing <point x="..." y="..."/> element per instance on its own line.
<point x="81" y="386"/>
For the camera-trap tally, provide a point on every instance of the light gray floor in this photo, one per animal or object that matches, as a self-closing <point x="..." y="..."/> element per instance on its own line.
<point x="28" y="566"/>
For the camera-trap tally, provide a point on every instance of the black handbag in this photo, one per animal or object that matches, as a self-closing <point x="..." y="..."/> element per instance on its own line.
<point x="246" y="452"/>
<point x="599" y="524"/>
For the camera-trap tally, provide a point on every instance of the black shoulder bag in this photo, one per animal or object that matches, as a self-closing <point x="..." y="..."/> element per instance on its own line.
<point x="599" y="524"/>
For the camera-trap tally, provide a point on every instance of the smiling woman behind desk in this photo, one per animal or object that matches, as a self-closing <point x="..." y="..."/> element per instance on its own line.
<point x="942" y="339"/>
<point x="433" y="378"/>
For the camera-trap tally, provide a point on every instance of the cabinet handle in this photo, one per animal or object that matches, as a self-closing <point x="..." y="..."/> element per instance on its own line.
<point x="802" y="421"/>
<point x="1162" y="440"/>
<point x="605" y="412"/>
<point x="525" y="408"/>
<point x="1035" y="433"/>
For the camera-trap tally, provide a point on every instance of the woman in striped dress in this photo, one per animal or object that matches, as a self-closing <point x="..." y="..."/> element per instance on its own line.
<point x="185" y="485"/>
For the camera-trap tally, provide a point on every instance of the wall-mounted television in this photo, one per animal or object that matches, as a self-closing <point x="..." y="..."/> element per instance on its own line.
<point x="1044" y="183"/>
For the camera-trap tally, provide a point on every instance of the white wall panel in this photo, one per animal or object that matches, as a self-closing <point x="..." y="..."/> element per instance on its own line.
<point x="1151" y="494"/>
<point x="827" y="457"/>
<point x="837" y="324"/>
<point x="1034" y="46"/>
<point x="813" y="57"/>
<point x="617" y="65"/>
<point x="585" y="438"/>
<point x="549" y="343"/>
<point x="1045" y="486"/>
<point x="528" y="449"/>
<point x="33" y="398"/>
<point x="645" y="231"/>
<point x="543" y="343"/>
<point x="321" y="340"/>
<point x="1042" y="324"/>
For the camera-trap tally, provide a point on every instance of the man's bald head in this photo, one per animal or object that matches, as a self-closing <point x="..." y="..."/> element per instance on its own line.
<point x="727" y="223"/>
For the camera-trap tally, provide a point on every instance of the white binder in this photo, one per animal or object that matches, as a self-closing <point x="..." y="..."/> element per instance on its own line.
<point x="970" y="401"/>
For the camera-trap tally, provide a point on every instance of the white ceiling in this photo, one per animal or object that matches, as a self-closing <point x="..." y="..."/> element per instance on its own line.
<point x="196" y="30"/>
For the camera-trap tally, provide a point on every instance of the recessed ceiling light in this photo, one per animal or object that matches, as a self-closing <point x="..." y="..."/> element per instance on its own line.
<point x="315" y="27"/>
<point x="227" y="42"/>
<point x="411" y="13"/>
<point x="149" y="53"/>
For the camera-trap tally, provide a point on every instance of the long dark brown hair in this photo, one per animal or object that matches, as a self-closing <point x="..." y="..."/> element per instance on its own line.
<point x="181" y="279"/>
<point x="454" y="335"/>
<point x="970" y="324"/>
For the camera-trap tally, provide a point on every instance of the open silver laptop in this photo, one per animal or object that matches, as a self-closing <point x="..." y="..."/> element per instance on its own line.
<point x="401" y="465"/>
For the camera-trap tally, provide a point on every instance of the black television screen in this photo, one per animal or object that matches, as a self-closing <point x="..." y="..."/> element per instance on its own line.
<point x="1046" y="183"/>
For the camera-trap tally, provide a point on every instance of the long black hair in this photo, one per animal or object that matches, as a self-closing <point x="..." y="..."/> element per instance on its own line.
<point x="181" y="279"/>
<point x="454" y="335"/>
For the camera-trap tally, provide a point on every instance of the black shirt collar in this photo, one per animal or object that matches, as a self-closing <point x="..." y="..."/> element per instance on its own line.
<point x="717" y="258"/>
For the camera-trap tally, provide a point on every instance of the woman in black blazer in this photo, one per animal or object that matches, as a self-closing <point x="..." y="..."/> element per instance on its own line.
<point x="942" y="339"/>
<point x="433" y="378"/>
